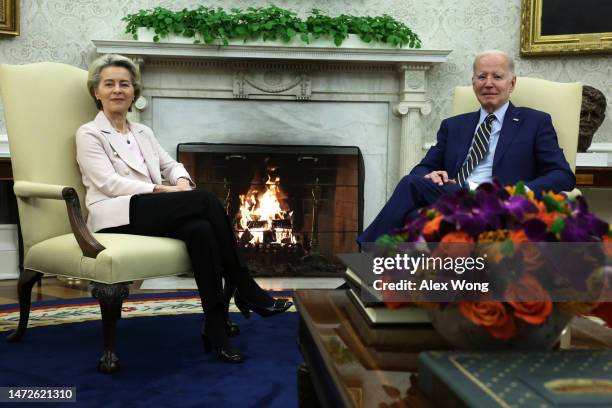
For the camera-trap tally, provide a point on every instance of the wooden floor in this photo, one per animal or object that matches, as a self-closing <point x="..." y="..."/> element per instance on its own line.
<point x="52" y="289"/>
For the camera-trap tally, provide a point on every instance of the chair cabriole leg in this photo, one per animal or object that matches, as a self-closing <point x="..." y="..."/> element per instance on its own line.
<point x="27" y="279"/>
<point x="110" y="297"/>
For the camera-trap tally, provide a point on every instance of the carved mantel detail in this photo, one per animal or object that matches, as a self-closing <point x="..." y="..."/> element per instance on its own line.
<point x="412" y="105"/>
<point x="248" y="84"/>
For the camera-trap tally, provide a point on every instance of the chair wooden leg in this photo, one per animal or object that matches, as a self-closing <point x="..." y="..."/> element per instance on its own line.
<point x="110" y="298"/>
<point x="27" y="279"/>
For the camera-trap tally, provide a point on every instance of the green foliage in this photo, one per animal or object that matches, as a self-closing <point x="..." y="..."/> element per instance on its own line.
<point x="558" y="225"/>
<point x="216" y="26"/>
<point x="391" y="242"/>
<point x="554" y="205"/>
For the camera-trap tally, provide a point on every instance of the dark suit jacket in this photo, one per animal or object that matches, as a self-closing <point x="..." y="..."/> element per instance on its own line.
<point x="527" y="150"/>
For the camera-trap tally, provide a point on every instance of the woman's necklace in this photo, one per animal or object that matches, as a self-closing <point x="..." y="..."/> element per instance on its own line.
<point x="124" y="132"/>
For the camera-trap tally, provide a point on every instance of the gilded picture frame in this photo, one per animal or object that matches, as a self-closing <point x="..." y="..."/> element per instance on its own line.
<point x="9" y="17"/>
<point x="564" y="27"/>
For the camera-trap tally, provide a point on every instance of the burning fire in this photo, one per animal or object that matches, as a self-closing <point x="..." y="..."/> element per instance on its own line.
<point x="261" y="215"/>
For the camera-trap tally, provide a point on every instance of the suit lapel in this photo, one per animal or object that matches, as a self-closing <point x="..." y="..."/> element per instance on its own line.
<point x="147" y="151"/>
<point x="117" y="142"/>
<point x="508" y="134"/>
<point x="464" y="140"/>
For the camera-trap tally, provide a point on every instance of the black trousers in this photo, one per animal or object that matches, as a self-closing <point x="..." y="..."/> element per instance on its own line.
<point x="197" y="218"/>
<point x="410" y="194"/>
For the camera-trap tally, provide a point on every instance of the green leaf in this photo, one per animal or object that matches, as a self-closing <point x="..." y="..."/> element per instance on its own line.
<point x="557" y="226"/>
<point x="268" y="23"/>
<point x="507" y="248"/>
<point x="390" y="242"/>
<point x="520" y="188"/>
<point x="553" y="205"/>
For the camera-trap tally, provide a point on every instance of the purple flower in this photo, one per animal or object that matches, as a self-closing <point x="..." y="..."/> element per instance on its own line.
<point x="519" y="206"/>
<point x="471" y="223"/>
<point x="413" y="227"/>
<point x="576" y="231"/>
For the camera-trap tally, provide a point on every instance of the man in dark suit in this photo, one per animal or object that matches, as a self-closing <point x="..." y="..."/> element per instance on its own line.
<point x="497" y="141"/>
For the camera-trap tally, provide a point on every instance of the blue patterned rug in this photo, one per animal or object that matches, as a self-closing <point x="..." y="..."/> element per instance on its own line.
<point x="162" y="358"/>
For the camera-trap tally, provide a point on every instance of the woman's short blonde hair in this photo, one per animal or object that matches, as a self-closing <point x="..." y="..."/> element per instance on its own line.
<point x="111" y="60"/>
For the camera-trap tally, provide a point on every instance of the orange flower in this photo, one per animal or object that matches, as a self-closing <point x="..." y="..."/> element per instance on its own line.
<point x="432" y="226"/>
<point x="532" y="258"/>
<point x="548" y="217"/>
<point x="492" y="316"/>
<point x="532" y="312"/>
<point x="518" y="236"/>
<point x="531" y="197"/>
<point x="457" y="236"/>
<point x="391" y="298"/>
<point x="556" y="196"/>
<point x="456" y="244"/>
<point x="543" y="214"/>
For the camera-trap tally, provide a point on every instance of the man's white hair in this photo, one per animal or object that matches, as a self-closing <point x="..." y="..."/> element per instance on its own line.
<point x="489" y="53"/>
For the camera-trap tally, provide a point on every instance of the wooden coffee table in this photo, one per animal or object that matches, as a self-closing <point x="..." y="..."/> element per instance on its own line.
<point x="345" y="365"/>
<point x="340" y="369"/>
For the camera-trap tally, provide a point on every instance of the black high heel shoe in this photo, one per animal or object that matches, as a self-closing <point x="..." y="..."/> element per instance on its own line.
<point x="245" y="307"/>
<point x="231" y="328"/>
<point x="224" y="351"/>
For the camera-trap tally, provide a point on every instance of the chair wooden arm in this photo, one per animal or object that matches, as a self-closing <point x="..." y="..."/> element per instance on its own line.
<point x="88" y="244"/>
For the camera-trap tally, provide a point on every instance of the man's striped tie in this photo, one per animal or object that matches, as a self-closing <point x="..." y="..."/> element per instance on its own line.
<point x="478" y="150"/>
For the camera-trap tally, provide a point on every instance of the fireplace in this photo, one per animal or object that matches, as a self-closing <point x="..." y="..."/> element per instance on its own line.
<point x="292" y="207"/>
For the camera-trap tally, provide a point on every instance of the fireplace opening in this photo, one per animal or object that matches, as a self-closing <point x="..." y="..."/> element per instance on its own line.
<point x="292" y="207"/>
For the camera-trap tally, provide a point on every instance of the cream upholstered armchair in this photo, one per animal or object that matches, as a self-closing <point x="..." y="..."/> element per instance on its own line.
<point x="561" y="100"/>
<point x="44" y="104"/>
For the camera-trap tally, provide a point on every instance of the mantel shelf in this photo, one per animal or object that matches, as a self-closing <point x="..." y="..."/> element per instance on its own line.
<point x="268" y="52"/>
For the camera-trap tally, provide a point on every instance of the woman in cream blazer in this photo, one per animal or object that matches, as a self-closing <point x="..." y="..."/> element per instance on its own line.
<point x="123" y="165"/>
<point x="112" y="174"/>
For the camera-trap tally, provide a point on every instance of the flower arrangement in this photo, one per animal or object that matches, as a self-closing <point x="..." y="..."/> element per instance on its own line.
<point x="514" y="230"/>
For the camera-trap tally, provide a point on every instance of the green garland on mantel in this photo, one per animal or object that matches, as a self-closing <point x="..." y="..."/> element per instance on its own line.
<point x="216" y="26"/>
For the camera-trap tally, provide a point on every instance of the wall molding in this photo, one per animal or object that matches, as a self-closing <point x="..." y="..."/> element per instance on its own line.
<point x="4" y="147"/>
<point x="384" y="56"/>
<point x="600" y="148"/>
<point x="9" y="254"/>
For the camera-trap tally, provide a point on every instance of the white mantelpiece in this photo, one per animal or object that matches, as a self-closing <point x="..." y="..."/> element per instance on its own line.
<point x="272" y="52"/>
<point x="373" y="98"/>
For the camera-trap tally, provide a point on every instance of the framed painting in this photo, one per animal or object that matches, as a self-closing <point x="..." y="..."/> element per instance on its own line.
<point x="563" y="27"/>
<point x="9" y="17"/>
